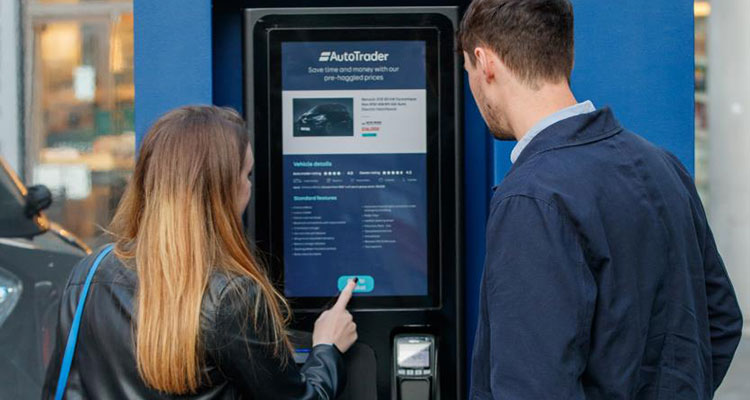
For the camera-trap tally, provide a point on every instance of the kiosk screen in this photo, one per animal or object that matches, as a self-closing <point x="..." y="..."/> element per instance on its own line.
<point x="354" y="118"/>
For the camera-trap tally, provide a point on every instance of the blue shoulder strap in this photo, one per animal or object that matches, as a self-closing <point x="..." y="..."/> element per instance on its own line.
<point x="70" y="348"/>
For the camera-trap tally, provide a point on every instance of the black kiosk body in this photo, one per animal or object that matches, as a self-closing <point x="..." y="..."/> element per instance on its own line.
<point x="355" y="118"/>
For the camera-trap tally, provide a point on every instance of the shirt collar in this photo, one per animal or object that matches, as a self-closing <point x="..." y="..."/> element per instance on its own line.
<point x="578" y="109"/>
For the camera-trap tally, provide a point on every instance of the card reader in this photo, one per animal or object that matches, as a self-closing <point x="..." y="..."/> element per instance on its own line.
<point x="415" y="366"/>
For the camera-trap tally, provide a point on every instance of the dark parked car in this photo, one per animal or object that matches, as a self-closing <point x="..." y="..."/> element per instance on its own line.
<point x="36" y="256"/>
<point x="330" y="119"/>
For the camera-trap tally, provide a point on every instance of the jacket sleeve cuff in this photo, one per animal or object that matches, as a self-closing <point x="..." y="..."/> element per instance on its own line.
<point x="327" y="357"/>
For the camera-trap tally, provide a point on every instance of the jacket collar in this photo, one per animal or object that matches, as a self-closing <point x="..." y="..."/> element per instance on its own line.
<point x="574" y="131"/>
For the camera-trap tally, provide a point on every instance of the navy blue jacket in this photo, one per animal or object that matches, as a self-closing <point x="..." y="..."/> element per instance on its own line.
<point x="602" y="279"/>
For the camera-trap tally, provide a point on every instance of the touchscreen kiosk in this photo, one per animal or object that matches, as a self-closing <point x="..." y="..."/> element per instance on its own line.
<point x="354" y="120"/>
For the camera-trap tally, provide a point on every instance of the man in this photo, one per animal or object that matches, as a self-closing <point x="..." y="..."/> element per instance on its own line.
<point x="602" y="278"/>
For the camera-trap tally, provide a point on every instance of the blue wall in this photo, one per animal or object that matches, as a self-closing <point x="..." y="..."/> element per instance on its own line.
<point x="637" y="57"/>
<point x="172" y="57"/>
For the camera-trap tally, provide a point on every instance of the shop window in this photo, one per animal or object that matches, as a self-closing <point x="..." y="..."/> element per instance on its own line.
<point x="79" y="102"/>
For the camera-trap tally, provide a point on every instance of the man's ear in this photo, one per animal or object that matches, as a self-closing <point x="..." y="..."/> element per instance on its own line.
<point x="485" y="63"/>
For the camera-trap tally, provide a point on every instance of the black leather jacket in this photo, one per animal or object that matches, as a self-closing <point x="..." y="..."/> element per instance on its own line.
<point x="239" y="363"/>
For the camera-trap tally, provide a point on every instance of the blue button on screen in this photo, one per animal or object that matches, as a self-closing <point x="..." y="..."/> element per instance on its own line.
<point x="365" y="283"/>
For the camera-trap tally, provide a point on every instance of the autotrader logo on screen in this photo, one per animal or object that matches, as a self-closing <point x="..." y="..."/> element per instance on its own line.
<point x="354" y="56"/>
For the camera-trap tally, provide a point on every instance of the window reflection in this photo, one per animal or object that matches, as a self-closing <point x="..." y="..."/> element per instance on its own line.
<point x="80" y="138"/>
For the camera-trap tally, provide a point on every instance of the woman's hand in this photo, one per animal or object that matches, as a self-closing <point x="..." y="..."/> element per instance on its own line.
<point x="336" y="326"/>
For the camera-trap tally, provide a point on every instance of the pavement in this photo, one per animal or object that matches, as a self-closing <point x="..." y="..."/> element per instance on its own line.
<point x="736" y="385"/>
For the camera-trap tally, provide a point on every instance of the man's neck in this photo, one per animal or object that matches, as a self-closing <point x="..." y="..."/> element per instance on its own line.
<point x="530" y="107"/>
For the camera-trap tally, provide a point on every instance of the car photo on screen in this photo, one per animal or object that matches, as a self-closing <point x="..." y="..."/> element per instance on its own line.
<point x="323" y="117"/>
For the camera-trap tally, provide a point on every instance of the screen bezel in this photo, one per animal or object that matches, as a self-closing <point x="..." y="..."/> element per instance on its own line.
<point x="430" y="36"/>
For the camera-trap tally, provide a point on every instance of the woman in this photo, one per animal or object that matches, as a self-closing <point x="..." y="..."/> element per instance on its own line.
<point x="181" y="306"/>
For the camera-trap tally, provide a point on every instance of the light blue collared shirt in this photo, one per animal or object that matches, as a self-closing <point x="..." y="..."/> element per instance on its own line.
<point x="578" y="109"/>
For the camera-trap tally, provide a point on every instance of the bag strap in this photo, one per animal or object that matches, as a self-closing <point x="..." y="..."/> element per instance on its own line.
<point x="70" y="347"/>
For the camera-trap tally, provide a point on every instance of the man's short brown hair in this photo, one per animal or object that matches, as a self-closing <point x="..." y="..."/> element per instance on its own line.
<point x="533" y="38"/>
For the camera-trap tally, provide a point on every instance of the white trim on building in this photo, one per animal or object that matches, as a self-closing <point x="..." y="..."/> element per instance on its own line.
<point x="9" y="83"/>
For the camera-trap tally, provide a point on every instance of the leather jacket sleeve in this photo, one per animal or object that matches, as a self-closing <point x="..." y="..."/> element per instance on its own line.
<point x="243" y="351"/>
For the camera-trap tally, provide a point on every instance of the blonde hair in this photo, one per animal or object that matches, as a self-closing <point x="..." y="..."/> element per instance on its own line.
<point x="177" y="222"/>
